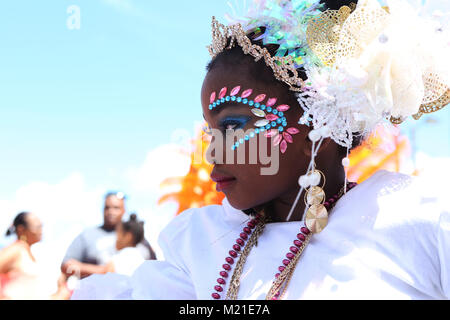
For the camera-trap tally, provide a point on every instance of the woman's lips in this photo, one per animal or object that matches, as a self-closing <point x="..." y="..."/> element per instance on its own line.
<point x="222" y="181"/>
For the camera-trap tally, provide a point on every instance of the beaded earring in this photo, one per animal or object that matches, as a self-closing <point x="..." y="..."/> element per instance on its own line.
<point x="316" y="215"/>
<point x="312" y="178"/>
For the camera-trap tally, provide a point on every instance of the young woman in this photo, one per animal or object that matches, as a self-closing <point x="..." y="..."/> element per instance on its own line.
<point x="20" y="274"/>
<point x="303" y="231"/>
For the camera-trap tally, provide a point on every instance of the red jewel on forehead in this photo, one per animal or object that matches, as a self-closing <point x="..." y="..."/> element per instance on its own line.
<point x="235" y="91"/>
<point x="222" y="92"/>
<point x="283" y="107"/>
<point x="246" y="93"/>
<point x="271" y="117"/>
<point x="212" y="97"/>
<point x="260" y="98"/>
<point x="271" y="102"/>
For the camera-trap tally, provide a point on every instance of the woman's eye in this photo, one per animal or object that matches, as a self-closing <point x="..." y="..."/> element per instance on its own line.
<point x="231" y="126"/>
<point x="234" y="123"/>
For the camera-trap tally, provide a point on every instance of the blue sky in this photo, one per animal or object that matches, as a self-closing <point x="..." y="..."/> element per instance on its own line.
<point x="89" y="107"/>
<point x="99" y="97"/>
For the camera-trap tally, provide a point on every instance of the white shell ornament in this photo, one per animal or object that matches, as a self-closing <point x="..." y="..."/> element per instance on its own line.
<point x="258" y="112"/>
<point x="261" y="123"/>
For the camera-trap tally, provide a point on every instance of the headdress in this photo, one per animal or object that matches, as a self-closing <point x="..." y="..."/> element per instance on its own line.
<point x="364" y="63"/>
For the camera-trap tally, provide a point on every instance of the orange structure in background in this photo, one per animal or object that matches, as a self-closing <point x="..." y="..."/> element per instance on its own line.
<point x="382" y="150"/>
<point x="196" y="189"/>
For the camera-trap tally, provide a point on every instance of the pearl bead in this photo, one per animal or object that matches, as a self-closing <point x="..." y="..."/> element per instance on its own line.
<point x="345" y="162"/>
<point x="314" y="135"/>
<point x="303" y="181"/>
<point x="325" y="131"/>
<point x="314" y="178"/>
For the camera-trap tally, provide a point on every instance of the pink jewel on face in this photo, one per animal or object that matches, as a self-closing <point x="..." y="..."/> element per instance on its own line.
<point x="260" y="98"/>
<point x="292" y="130"/>
<point x="287" y="137"/>
<point x="212" y="97"/>
<point x="235" y="91"/>
<point x="246" y="93"/>
<point x="271" y="102"/>
<point x="271" y="117"/>
<point x="283" y="107"/>
<point x="283" y="146"/>
<point x="271" y="133"/>
<point x="222" y="92"/>
<point x="277" y="140"/>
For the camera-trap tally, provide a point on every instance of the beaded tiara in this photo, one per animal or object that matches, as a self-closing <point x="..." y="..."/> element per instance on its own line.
<point x="225" y="37"/>
<point x="364" y="63"/>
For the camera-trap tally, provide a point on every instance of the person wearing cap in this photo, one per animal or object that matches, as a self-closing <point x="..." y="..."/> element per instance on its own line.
<point x="95" y="246"/>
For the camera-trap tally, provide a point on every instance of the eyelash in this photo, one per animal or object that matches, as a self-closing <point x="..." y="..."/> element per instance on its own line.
<point x="226" y="124"/>
<point x="230" y="123"/>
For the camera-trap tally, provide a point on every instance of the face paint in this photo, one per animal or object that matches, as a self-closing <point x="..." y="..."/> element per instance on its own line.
<point x="233" y="122"/>
<point x="273" y="122"/>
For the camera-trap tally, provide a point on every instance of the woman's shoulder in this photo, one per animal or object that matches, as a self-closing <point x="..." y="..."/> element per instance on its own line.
<point x="404" y="197"/>
<point x="400" y="211"/>
<point x="13" y="249"/>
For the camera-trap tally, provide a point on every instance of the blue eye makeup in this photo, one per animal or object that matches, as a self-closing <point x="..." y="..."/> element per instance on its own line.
<point x="270" y="116"/>
<point x="233" y="122"/>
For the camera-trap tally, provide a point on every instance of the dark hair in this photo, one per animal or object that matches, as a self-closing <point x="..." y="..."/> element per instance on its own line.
<point x="136" y="228"/>
<point x="259" y="70"/>
<point x="20" y="219"/>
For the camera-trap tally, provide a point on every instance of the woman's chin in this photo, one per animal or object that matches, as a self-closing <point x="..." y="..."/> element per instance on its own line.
<point x="239" y="203"/>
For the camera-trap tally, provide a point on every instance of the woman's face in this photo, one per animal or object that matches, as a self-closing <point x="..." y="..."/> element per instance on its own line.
<point x="33" y="230"/>
<point x="244" y="184"/>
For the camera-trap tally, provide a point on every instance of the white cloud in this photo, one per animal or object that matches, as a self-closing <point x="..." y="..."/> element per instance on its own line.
<point x="160" y="163"/>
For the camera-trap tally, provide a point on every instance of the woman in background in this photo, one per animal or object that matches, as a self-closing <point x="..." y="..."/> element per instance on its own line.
<point x="20" y="274"/>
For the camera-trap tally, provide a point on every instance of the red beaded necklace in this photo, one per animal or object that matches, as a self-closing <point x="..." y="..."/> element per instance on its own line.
<point x="247" y="231"/>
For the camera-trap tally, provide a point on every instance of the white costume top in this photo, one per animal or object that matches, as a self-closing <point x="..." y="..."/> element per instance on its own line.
<point x="383" y="241"/>
<point x="127" y="260"/>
